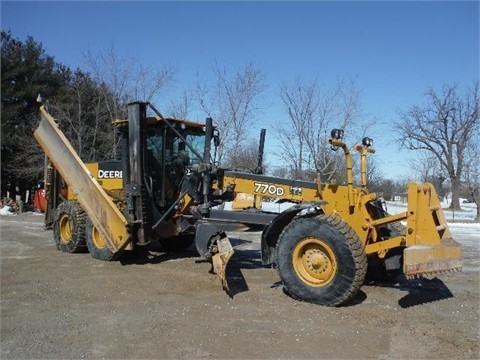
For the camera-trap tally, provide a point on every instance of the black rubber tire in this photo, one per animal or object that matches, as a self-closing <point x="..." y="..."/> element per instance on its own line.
<point x="321" y="260"/>
<point x="96" y="245"/>
<point x="176" y="243"/>
<point x="69" y="227"/>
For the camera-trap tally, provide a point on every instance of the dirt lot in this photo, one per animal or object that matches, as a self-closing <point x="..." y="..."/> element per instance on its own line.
<point x="153" y="305"/>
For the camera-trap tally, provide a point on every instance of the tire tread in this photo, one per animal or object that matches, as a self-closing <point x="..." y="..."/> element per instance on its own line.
<point x="350" y="244"/>
<point x="77" y="244"/>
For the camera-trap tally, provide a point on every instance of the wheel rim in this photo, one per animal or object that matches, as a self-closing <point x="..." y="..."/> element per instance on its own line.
<point x="98" y="239"/>
<point x="66" y="228"/>
<point x="314" y="262"/>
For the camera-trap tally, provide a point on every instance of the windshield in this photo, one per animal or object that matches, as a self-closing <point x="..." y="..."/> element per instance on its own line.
<point x="168" y="158"/>
<point x="174" y="145"/>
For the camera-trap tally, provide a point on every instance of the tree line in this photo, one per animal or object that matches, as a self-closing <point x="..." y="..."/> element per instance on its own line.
<point x="443" y="130"/>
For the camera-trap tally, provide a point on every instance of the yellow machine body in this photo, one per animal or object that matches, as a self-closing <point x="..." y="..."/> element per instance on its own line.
<point x="426" y="239"/>
<point x="173" y="203"/>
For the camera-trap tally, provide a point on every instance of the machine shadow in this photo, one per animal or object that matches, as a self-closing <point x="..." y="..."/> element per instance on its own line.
<point x="153" y="254"/>
<point x="247" y="256"/>
<point x="419" y="291"/>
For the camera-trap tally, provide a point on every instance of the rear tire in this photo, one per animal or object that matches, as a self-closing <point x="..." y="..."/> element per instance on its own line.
<point x="69" y="227"/>
<point x="321" y="260"/>
<point x="96" y="244"/>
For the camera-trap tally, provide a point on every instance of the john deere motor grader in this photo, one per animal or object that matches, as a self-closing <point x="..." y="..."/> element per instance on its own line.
<point x="167" y="188"/>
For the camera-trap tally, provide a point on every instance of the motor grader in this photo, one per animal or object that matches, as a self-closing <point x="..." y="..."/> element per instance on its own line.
<point x="167" y="188"/>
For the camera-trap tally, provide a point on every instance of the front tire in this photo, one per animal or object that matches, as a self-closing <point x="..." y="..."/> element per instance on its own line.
<point x="321" y="260"/>
<point x="96" y="244"/>
<point x="69" y="227"/>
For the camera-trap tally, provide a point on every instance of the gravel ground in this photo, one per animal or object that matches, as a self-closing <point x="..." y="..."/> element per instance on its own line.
<point x="153" y="305"/>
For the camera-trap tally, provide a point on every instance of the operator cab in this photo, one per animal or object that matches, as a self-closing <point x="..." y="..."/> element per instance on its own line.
<point x="170" y="155"/>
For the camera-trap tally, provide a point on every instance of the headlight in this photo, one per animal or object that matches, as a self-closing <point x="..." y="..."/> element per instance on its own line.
<point x="337" y="134"/>
<point x="367" y="142"/>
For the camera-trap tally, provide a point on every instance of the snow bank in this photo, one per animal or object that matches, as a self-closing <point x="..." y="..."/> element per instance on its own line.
<point x="6" y="210"/>
<point x="468" y="212"/>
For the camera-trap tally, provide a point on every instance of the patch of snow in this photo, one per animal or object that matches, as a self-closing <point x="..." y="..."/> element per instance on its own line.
<point x="266" y="206"/>
<point x="468" y="212"/>
<point x="473" y="225"/>
<point x="7" y="210"/>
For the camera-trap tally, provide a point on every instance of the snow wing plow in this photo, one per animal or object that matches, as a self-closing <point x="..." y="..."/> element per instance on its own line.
<point x="105" y="216"/>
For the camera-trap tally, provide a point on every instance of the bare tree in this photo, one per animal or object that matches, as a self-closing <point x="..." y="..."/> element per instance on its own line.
<point x="82" y="117"/>
<point x="180" y="108"/>
<point x="472" y="173"/>
<point x="388" y="188"/>
<point x="280" y="171"/>
<point x="443" y="127"/>
<point x="150" y="82"/>
<point x="374" y="174"/>
<point x="233" y="101"/>
<point x="247" y="159"/>
<point x="427" y="169"/>
<point x="31" y="158"/>
<point x="312" y="113"/>
<point x="301" y="103"/>
<point x="128" y="80"/>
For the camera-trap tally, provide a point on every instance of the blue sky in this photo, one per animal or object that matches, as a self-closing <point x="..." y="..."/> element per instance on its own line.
<point x="393" y="50"/>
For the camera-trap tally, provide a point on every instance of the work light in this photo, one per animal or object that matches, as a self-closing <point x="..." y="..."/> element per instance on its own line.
<point x="337" y="134"/>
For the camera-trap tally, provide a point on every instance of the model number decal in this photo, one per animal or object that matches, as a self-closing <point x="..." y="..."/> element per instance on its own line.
<point x="270" y="189"/>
